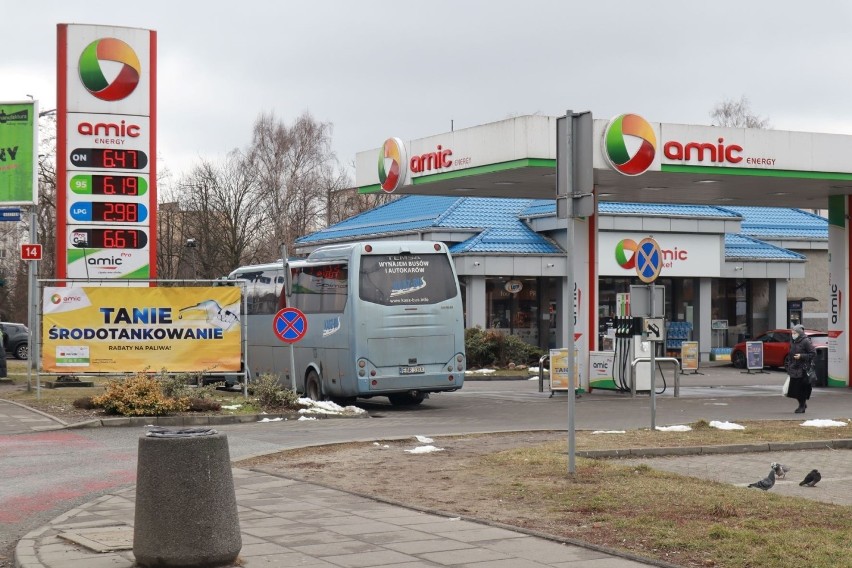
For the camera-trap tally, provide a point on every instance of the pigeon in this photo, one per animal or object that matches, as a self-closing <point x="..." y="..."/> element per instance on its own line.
<point x="811" y="479"/>
<point x="766" y="483"/>
<point x="780" y="470"/>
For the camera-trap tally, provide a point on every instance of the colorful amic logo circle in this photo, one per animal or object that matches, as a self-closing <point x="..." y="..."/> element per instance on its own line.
<point x="392" y="163"/>
<point x="625" y="253"/>
<point x="92" y="75"/>
<point x="56" y="298"/>
<point x="615" y="144"/>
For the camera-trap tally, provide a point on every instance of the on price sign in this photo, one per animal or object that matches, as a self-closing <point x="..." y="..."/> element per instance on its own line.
<point x="31" y="252"/>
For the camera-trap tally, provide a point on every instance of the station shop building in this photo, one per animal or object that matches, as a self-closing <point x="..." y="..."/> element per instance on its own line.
<point x="508" y="257"/>
<point x="742" y="251"/>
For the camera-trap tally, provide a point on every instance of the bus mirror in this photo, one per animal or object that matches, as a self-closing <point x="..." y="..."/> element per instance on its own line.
<point x="288" y="279"/>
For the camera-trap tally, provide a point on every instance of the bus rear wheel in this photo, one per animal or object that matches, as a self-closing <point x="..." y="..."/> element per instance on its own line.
<point x="411" y="398"/>
<point x="312" y="386"/>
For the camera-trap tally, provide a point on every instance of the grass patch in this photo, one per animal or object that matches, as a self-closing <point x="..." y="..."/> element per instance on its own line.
<point x="683" y="520"/>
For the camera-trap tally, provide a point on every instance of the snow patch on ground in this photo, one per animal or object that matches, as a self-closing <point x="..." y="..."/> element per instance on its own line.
<point x="821" y="423"/>
<point x="610" y="431"/>
<point x="675" y="428"/>
<point x="424" y="450"/>
<point x="326" y="407"/>
<point x="726" y="425"/>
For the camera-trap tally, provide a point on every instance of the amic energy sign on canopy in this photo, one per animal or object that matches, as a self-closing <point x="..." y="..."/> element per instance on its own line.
<point x="106" y="152"/>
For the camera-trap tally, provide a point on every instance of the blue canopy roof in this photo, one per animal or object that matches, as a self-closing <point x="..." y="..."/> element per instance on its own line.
<point x="497" y="224"/>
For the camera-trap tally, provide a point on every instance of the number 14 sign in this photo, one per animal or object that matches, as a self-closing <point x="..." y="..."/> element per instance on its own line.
<point x="30" y="252"/>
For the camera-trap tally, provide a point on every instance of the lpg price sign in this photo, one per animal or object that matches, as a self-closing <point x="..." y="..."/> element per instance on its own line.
<point x="106" y="128"/>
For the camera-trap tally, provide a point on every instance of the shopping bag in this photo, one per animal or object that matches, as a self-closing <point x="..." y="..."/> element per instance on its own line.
<point x="812" y="376"/>
<point x="786" y="386"/>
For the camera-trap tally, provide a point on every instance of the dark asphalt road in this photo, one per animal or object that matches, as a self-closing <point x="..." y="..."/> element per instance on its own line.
<point x="47" y="473"/>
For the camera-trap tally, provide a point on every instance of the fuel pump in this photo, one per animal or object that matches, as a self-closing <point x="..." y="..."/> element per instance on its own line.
<point x="626" y="329"/>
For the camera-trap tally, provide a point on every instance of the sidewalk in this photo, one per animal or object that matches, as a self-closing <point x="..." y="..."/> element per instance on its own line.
<point x="290" y="523"/>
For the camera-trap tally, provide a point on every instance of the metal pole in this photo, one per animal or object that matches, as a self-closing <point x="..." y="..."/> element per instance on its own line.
<point x="566" y="156"/>
<point x="651" y="288"/>
<point x="286" y="290"/>
<point x="32" y="309"/>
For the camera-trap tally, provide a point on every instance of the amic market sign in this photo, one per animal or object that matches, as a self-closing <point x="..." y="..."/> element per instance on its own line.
<point x="683" y="254"/>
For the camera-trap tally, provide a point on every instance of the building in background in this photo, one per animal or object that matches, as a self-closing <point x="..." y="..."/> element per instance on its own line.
<point x="510" y="257"/>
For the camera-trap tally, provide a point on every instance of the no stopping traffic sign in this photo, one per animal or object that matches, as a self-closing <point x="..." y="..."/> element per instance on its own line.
<point x="290" y="325"/>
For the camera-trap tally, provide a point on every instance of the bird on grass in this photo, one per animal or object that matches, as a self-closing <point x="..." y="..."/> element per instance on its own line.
<point x="766" y="483"/>
<point x="780" y="470"/>
<point x="811" y="478"/>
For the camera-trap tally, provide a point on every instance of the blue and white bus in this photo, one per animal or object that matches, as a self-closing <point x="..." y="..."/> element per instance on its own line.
<point x="384" y="319"/>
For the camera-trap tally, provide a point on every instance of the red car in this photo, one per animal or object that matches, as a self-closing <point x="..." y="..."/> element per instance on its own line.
<point x="776" y="346"/>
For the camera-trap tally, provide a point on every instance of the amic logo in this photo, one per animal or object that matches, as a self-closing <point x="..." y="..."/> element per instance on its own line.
<point x="627" y="128"/>
<point x="91" y="68"/>
<point x="392" y="164"/>
<point x="56" y="299"/>
<point x="625" y="253"/>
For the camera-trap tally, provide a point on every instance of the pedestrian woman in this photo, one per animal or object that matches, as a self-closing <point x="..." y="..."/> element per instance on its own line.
<point x="801" y="353"/>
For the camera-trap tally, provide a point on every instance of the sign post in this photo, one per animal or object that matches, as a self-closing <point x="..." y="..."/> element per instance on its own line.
<point x="649" y="262"/>
<point x="574" y="198"/>
<point x="290" y="325"/>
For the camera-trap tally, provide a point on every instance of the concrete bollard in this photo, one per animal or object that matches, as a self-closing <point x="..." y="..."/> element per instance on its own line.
<point x="186" y="508"/>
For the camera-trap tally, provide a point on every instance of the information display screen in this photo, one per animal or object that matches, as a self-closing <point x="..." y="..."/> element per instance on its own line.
<point x="109" y="238"/>
<point x="109" y="212"/>
<point x="109" y="185"/>
<point x="109" y="158"/>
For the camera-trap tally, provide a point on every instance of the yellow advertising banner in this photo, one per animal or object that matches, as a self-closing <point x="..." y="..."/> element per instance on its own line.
<point x="559" y="370"/>
<point x="689" y="356"/>
<point x="118" y="329"/>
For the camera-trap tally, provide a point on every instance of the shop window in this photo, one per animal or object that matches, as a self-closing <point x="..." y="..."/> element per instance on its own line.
<point x="512" y="307"/>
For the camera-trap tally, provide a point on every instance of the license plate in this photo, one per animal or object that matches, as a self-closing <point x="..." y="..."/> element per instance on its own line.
<point x="411" y="370"/>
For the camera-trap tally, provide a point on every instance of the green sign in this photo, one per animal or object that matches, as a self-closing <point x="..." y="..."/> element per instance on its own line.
<point x="18" y="125"/>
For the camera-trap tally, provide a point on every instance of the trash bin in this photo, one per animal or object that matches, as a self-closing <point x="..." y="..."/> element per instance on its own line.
<point x="186" y="507"/>
<point x="821" y="366"/>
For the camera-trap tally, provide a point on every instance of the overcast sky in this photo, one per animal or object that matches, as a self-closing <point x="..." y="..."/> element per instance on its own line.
<point x="377" y="69"/>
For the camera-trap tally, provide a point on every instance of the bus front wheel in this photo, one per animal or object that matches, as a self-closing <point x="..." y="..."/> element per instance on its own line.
<point x="410" y="398"/>
<point x="312" y="386"/>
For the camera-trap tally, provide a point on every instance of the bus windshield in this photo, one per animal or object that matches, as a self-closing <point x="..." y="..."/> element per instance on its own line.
<point x="406" y="279"/>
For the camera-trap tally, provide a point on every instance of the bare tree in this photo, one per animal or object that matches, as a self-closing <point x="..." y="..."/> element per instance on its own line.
<point x="296" y="169"/>
<point x="737" y="114"/>
<point x="215" y="225"/>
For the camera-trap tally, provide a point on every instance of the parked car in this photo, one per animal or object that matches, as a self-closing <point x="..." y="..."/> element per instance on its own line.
<point x="16" y="339"/>
<point x="776" y="347"/>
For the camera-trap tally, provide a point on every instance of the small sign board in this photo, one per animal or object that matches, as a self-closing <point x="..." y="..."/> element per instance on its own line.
<point x="30" y="252"/>
<point x="290" y="325"/>
<point x="559" y="370"/>
<point x="754" y="355"/>
<point x="10" y="214"/>
<point x="689" y="356"/>
<point x="654" y="328"/>
<point x="640" y="301"/>
<point x="718" y="324"/>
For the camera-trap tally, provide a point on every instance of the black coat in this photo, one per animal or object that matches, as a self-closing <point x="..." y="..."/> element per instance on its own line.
<point x="800" y="387"/>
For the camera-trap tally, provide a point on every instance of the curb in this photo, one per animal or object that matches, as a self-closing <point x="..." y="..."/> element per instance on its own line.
<point x="31" y="409"/>
<point x="842" y="444"/>
<point x="206" y="420"/>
